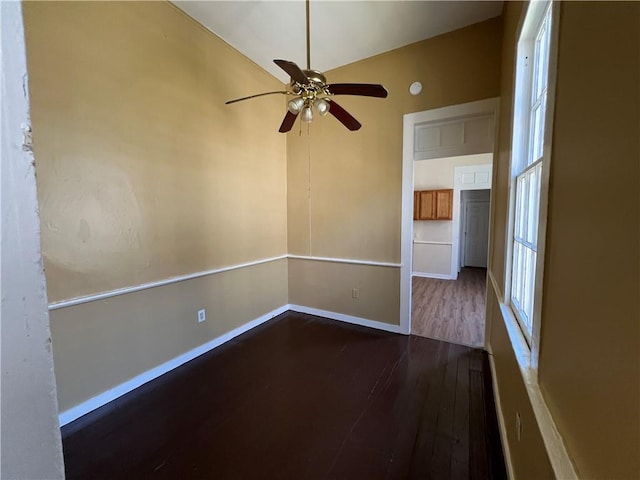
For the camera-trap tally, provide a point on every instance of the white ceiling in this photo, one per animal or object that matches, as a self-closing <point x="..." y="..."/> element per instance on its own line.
<point x="342" y="32"/>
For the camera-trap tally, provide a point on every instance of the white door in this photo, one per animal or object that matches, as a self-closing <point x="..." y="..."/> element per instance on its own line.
<point x="476" y="232"/>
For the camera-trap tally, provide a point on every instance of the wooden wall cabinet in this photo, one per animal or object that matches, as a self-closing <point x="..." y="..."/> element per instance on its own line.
<point x="433" y="204"/>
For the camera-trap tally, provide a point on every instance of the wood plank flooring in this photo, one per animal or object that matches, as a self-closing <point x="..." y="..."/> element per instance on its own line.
<point x="450" y="310"/>
<point x="301" y="397"/>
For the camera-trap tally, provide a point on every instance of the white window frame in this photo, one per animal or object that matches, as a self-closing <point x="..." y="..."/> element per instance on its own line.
<point x="532" y="19"/>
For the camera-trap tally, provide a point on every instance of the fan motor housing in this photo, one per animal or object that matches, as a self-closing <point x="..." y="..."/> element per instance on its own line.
<point x="315" y="76"/>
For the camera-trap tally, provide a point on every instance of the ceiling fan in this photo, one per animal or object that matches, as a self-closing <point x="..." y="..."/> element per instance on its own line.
<point x="312" y="91"/>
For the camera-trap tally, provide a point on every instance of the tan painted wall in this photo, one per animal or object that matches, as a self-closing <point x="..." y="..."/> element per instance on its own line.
<point x="144" y="174"/>
<point x="589" y="353"/>
<point x="99" y="345"/>
<point x="344" y="188"/>
<point x="328" y="286"/>
<point x="590" y="349"/>
<point x="528" y="456"/>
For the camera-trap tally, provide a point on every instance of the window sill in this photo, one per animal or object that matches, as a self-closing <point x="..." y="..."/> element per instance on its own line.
<point x="555" y="447"/>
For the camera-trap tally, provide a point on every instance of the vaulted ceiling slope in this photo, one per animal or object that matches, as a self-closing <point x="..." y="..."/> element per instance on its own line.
<point x="342" y="32"/>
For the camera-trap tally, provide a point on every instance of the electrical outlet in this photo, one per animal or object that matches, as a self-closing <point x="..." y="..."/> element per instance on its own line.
<point x="518" y="426"/>
<point x="355" y="292"/>
<point x="202" y="315"/>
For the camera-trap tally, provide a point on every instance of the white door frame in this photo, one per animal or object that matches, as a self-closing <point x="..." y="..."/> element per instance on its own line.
<point x="488" y="106"/>
<point x="460" y="185"/>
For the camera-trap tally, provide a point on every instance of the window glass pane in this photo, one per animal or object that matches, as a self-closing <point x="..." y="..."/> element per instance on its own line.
<point x="537" y="131"/>
<point x="533" y="204"/>
<point x="521" y="204"/>
<point x="541" y="62"/>
<point x="535" y="215"/>
<point x="516" y="290"/>
<point x="523" y="283"/>
<point x="541" y="59"/>
<point x="529" y="280"/>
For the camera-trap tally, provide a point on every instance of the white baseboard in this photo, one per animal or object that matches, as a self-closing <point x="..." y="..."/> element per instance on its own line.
<point x="506" y="451"/>
<point x="439" y="276"/>
<point x="347" y="318"/>
<point x="102" y="399"/>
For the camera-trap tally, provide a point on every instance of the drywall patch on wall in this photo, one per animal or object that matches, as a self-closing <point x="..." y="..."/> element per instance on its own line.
<point x="31" y="445"/>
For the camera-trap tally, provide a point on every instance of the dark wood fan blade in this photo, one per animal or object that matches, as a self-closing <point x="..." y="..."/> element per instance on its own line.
<point x="364" y="89"/>
<point x="287" y="123"/>
<point x="293" y="70"/>
<point x="343" y="116"/>
<point x="254" y="96"/>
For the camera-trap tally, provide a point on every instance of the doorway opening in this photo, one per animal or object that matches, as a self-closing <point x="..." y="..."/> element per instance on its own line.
<point x="448" y="289"/>
<point x="474" y="228"/>
<point x="444" y="261"/>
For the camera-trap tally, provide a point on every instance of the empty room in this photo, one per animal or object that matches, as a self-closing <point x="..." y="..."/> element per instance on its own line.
<point x="210" y="242"/>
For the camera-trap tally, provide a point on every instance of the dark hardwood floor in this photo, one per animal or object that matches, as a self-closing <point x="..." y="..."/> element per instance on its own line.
<point x="301" y="397"/>
<point x="450" y="310"/>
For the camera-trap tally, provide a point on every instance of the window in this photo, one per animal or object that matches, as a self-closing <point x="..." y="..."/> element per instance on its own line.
<point x="529" y="158"/>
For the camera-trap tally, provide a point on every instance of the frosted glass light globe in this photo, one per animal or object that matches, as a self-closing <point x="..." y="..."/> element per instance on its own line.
<point x="295" y="105"/>
<point x="307" y="114"/>
<point x="322" y="106"/>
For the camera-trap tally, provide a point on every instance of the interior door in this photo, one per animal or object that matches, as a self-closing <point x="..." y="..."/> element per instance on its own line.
<point x="476" y="231"/>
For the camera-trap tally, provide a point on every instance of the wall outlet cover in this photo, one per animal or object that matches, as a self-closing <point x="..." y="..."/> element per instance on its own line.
<point x="202" y="315"/>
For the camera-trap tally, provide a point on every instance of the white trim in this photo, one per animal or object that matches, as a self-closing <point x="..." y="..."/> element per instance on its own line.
<point x="440" y="276"/>
<point x="428" y="242"/>
<point x="506" y="450"/>
<point x="182" y="278"/>
<point x="167" y="281"/>
<point x="544" y="190"/>
<point x="457" y="188"/>
<point x="346" y="260"/>
<point x="406" y="220"/>
<point x="555" y="447"/>
<point x="105" y="397"/>
<point x="406" y="239"/>
<point x="347" y="318"/>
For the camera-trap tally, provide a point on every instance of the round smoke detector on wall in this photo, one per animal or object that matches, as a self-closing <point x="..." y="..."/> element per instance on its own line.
<point x="415" y="88"/>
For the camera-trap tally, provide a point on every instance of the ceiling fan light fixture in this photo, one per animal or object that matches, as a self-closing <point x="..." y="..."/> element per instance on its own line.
<point x="307" y="114"/>
<point x="322" y="106"/>
<point x="311" y="91"/>
<point x="295" y="105"/>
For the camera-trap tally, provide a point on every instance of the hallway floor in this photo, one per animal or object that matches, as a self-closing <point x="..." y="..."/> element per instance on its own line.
<point x="302" y="397"/>
<point x="450" y="310"/>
